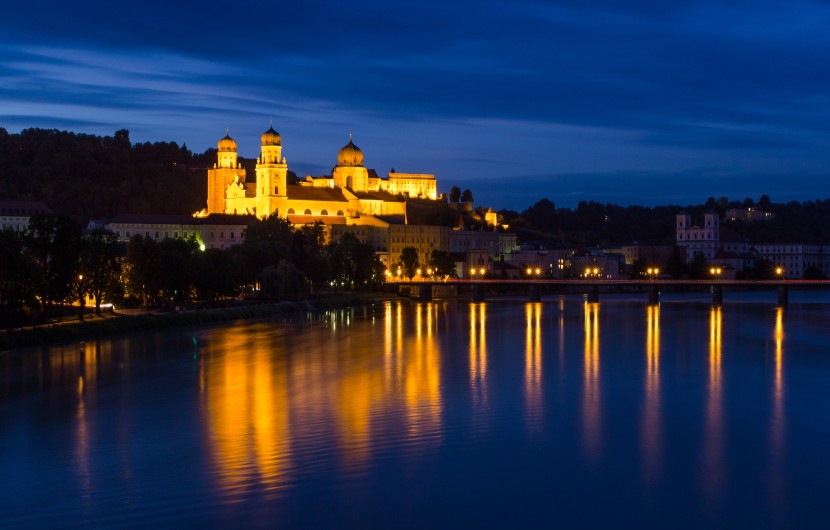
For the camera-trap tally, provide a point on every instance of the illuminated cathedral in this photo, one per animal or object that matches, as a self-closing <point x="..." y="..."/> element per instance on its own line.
<point x="351" y="194"/>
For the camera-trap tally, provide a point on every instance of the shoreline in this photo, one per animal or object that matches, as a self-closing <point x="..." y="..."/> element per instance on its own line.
<point x="122" y="323"/>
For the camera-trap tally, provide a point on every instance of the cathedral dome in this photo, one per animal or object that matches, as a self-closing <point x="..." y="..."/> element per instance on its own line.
<point x="227" y="144"/>
<point x="350" y="155"/>
<point x="271" y="137"/>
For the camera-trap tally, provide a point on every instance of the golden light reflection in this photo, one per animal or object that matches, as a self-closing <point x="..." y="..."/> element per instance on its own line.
<point x="778" y="388"/>
<point x="777" y="422"/>
<point x="591" y="403"/>
<point x="651" y="420"/>
<point x="533" y="364"/>
<point x="248" y="415"/>
<point x="422" y="380"/>
<point x="713" y="438"/>
<point x="478" y="353"/>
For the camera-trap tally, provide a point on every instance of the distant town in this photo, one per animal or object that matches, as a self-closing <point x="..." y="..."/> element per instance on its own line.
<point x="95" y="221"/>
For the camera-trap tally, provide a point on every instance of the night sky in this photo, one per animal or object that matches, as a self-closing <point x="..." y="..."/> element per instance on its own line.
<point x="656" y="103"/>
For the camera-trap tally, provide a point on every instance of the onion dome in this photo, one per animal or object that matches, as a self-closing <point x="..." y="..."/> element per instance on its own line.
<point x="350" y="155"/>
<point x="227" y="144"/>
<point x="271" y="137"/>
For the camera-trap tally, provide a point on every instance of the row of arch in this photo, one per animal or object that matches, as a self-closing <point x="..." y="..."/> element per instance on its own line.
<point x="308" y="212"/>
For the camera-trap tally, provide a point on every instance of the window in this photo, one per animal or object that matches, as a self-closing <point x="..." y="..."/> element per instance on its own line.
<point x="307" y="212"/>
<point x="324" y="212"/>
<point x="291" y="211"/>
<point x="339" y="212"/>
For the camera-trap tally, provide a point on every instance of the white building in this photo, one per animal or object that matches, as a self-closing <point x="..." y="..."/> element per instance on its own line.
<point x="795" y="258"/>
<point x="15" y="214"/>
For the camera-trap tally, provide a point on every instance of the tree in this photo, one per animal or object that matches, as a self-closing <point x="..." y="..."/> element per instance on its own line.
<point x="285" y="281"/>
<point x="144" y="269"/>
<point x="442" y="263"/>
<point x="467" y="196"/>
<point x="54" y="241"/>
<point x="455" y="194"/>
<point x="18" y="275"/>
<point x="409" y="261"/>
<point x="309" y="254"/>
<point x="354" y="263"/>
<point x="99" y="266"/>
<point x="676" y="265"/>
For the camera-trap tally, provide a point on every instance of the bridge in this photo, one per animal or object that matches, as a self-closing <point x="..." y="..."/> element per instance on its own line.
<point x="534" y="288"/>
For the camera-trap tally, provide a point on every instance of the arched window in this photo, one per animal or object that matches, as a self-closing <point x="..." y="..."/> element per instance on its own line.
<point x="324" y="212"/>
<point x="291" y="211"/>
<point x="339" y="212"/>
<point x="307" y="212"/>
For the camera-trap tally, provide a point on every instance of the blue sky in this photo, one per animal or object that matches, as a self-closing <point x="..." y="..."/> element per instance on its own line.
<point x="654" y="103"/>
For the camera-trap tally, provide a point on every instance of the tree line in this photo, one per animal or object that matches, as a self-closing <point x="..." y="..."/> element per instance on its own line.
<point x="54" y="263"/>
<point x="596" y="224"/>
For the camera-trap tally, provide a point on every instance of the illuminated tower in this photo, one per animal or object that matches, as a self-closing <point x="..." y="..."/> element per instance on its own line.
<point x="349" y="171"/>
<point x="271" y="176"/>
<point x="224" y="172"/>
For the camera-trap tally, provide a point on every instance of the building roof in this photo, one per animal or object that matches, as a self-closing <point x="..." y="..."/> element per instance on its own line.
<point x="378" y="196"/>
<point x="23" y="208"/>
<point x="157" y="219"/>
<point x="226" y="219"/>
<point x="393" y="219"/>
<point x="311" y="219"/>
<point x="309" y="193"/>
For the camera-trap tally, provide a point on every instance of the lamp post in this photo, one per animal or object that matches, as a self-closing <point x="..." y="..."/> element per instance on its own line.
<point x="779" y="273"/>
<point x="81" y="297"/>
<point x="716" y="272"/>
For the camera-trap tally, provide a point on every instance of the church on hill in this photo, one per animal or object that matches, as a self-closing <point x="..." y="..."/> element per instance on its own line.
<point x="350" y="195"/>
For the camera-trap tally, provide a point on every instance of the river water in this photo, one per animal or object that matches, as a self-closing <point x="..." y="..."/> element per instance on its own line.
<point x="502" y="414"/>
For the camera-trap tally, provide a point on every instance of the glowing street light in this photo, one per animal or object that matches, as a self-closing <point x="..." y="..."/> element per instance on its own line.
<point x="779" y="272"/>
<point x="716" y="272"/>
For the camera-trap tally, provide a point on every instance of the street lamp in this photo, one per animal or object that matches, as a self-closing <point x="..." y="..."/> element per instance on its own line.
<point x="482" y="271"/>
<point x="715" y="272"/>
<point x="652" y="272"/>
<point x="80" y="297"/>
<point x="779" y="272"/>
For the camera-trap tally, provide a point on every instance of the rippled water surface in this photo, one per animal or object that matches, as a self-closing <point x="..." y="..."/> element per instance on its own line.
<point x="445" y="414"/>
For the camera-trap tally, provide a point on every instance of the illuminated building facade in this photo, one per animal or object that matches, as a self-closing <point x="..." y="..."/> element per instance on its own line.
<point x="349" y="194"/>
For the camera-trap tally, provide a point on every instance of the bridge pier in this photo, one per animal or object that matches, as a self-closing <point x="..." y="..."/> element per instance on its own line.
<point x="593" y="293"/>
<point x="653" y="295"/>
<point x="534" y="294"/>
<point x="425" y="293"/>
<point x="478" y="293"/>
<point x="717" y="295"/>
<point x="783" y="295"/>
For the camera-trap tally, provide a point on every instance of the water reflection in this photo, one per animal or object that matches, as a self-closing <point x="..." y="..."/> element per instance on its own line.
<point x="777" y="422"/>
<point x="422" y="378"/>
<point x="478" y="353"/>
<point x="591" y="402"/>
<point x="533" y="365"/>
<point x="651" y="420"/>
<point x="266" y="410"/>
<point x="247" y="414"/>
<point x="713" y="435"/>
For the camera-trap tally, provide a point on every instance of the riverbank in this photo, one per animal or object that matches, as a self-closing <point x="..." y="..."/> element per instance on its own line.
<point x="116" y="323"/>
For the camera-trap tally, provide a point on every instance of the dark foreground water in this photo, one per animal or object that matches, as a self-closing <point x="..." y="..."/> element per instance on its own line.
<point x="448" y="414"/>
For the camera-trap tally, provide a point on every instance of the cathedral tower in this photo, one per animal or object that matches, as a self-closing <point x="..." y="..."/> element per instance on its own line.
<point x="349" y="171"/>
<point x="271" y="176"/>
<point x="226" y="171"/>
